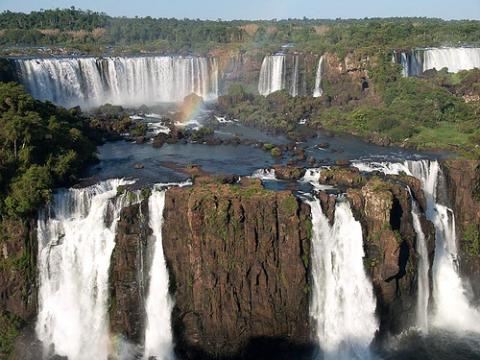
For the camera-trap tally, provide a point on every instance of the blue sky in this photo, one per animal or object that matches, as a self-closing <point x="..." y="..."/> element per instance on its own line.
<point x="262" y="9"/>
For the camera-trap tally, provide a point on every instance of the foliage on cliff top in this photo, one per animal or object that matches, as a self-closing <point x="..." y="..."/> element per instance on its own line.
<point x="426" y="113"/>
<point x="93" y="30"/>
<point x="42" y="146"/>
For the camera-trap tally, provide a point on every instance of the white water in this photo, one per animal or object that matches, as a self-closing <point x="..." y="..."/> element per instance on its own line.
<point x="454" y="59"/>
<point x="423" y="288"/>
<point x="318" y="91"/>
<point x="75" y="246"/>
<point x="91" y="82"/>
<point x="312" y="176"/>
<point x="343" y="304"/>
<point x="453" y="309"/>
<point x="272" y="74"/>
<point x="264" y="174"/>
<point x="159" y="304"/>
<point x="452" y="306"/>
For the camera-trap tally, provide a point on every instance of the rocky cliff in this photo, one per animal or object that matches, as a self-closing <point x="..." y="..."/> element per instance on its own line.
<point x="238" y="257"/>
<point x="239" y="261"/>
<point x="463" y="193"/>
<point x="128" y="274"/>
<point x="383" y="206"/>
<point x="18" y="291"/>
<point x="343" y="79"/>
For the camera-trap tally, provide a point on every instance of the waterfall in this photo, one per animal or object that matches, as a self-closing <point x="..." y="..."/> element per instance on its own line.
<point x="423" y="286"/>
<point x="318" y="91"/>
<point x="454" y="59"/>
<point x="295" y="78"/>
<point x="452" y="306"/>
<point x="343" y="304"/>
<point x="453" y="309"/>
<point x="158" y="333"/>
<point x="76" y="236"/>
<point x="272" y="74"/>
<point x="412" y="62"/>
<point x="130" y="81"/>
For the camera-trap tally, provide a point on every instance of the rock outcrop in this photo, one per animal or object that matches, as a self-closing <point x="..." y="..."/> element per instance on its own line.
<point x="383" y="206"/>
<point x="463" y="190"/>
<point x="238" y="258"/>
<point x="129" y="273"/>
<point x="384" y="209"/>
<point x="18" y="291"/>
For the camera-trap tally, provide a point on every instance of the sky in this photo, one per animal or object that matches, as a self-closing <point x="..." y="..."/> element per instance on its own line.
<point x="262" y="9"/>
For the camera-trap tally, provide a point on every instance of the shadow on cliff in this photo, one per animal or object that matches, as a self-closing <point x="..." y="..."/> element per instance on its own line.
<point x="260" y="348"/>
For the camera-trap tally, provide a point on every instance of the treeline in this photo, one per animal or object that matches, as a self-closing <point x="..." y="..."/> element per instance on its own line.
<point x="73" y="27"/>
<point x="41" y="147"/>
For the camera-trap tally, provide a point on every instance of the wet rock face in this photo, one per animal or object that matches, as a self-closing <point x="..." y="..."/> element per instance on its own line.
<point x="18" y="253"/>
<point x="18" y="291"/>
<point x="238" y="260"/>
<point x="384" y="210"/>
<point x="129" y="273"/>
<point x="462" y="184"/>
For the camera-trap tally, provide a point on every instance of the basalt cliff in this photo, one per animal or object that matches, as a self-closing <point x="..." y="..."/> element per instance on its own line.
<point x="239" y="261"/>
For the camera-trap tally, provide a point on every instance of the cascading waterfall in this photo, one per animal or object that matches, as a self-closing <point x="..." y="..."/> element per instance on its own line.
<point x="318" y="91"/>
<point x="272" y="74"/>
<point x="76" y="236"/>
<point x="158" y="333"/>
<point x="423" y="288"/>
<point x="454" y="59"/>
<point x="412" y="62"/>
<point x="343" y="304"/>
<point x="91" y="82"/>
<point x="453" y="309"/>
<point x="295" y="78"/>
<point x="452" y="306"/>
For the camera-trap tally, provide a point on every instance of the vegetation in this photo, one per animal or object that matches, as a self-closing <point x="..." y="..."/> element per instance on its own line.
<point x="42" y="146"/>
<point x="471" y="237"/>
<point x="9" y="325"/>
<point x="476" y="185"/>
<point x="425" y="113"/>
<point x="92" y="31"/>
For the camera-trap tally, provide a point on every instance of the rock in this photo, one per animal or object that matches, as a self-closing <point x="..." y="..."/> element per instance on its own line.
<point x="289" y="173"/>
<point x="342" y="177"/>
<point x="300" y="154"/>
<point x="383" y="207"/>
<point x="342" y="162"/>
<point x="463" y="192"/>
<point x="140" y="140"/>
<point x="235" y="255"/>
<point x="18" y="280"/>
<point x="159" y="140"/>
<point x="127" y="280"/>
<point x="215" y="179"/>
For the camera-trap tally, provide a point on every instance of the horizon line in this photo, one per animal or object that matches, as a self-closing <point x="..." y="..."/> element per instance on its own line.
<point x="304" y="18"/>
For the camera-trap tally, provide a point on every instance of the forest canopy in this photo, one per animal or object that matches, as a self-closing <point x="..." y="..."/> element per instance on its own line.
<point x="77" y="28"/>
<point x="41" y="146"/>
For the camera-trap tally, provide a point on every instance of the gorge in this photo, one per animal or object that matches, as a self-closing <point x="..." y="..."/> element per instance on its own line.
<point x="249" y="267"/>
